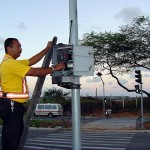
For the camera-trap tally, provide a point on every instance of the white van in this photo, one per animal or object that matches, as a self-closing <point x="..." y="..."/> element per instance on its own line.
<point x="49" y="110"/>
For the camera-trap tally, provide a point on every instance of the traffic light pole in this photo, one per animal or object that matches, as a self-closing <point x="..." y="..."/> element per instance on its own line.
<point x="142" y="108"/>
<point x="76" y="112"/>
<point x="99" y="74"/>
<point x="139" y="80"/>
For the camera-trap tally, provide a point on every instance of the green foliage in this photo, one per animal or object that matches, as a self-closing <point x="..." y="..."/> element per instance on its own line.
<point x="119" y="53"/>
<point x="66" y="104"/>
<point x="89" y="105"/>
<point x="54" y="95"/>
<point x="50" y="123"/>
<point x="45" y="123"/>
<point x="93" y="107"/>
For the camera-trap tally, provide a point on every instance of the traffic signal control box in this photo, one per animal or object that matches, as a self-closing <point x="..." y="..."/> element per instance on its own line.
<point x="78" y="59"/>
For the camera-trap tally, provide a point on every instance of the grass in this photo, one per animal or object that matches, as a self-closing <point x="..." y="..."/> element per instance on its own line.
<point x="48" y="123"/>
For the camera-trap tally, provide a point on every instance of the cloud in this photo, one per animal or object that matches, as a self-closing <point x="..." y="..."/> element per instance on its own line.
<point x="146" y="75"/>
<point x="22" y="26"/>
<point x="95" y="28"/>
<point x="110" y="83"/>
<point x="127" y="14"/>
<point x="94" y="79"/>
<point x="1" y="41"/>
<point x="123" y="81"/>
<point x="115" y="87"/>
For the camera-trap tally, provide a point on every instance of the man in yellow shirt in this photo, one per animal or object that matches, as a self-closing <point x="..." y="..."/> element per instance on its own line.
<point x="15" y="90"/>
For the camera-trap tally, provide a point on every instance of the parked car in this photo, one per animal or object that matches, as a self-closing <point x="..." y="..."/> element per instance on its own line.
<point x="48" y="110"/>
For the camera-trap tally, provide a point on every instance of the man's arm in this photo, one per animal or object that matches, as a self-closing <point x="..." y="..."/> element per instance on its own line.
<point x="33" y="60"/>
<point x="44" y="71"/>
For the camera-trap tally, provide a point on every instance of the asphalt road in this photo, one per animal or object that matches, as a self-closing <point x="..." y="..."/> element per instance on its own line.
<point x="90" y="140"/>
<point x="58" y="138"/>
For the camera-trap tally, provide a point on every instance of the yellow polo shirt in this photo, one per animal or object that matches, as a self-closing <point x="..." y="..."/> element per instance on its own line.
<point x="12" y="73"/>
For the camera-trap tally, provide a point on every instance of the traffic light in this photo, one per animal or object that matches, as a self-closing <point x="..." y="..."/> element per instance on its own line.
<point x="137" y="89"/>
<point x="138" y="76"/>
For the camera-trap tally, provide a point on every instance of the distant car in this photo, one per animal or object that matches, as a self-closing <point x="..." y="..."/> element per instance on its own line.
<point x="51" y="110"/>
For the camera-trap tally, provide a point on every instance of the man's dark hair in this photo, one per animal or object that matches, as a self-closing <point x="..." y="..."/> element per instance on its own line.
<point x="9" y="43"/>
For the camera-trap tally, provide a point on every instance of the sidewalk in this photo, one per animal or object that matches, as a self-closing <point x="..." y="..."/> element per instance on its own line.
<point x="103" y="124"/>
<point x="113" y="124"/>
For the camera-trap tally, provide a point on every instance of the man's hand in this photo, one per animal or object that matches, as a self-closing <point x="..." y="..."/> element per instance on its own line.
<point x="59" y="66"/>
<point x="49" y="45"/>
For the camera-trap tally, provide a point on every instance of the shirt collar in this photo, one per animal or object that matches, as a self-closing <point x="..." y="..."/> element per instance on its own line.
<point x="8" y="56"/>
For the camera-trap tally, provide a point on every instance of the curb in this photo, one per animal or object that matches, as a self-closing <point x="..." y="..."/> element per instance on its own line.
<point x="116" y="130"/>
<point x="53" y="129"/>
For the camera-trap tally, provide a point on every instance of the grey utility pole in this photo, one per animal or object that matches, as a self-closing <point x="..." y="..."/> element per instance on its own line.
<point x="99" y="74"/>
<point x="76" y="112"/>
<point x="140" y="91"/>
<point x="142" y="107"/>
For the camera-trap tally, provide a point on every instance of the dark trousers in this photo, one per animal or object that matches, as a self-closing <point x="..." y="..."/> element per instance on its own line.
<point x="12" y="125"/>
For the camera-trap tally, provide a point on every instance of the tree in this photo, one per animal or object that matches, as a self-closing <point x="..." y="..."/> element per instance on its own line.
<point x="54" y="95"/>
<point x="138" y="33"/>
<point x="119" y="53"/>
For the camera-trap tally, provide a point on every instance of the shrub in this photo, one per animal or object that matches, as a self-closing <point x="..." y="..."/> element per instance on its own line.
<point x="50" y="123"/>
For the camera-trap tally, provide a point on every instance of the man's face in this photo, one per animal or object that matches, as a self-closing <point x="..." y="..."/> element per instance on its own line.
<point x="16" y="49"/>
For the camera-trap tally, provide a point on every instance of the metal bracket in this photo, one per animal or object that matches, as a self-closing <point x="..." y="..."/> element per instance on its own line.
<point x="69" y="85"/>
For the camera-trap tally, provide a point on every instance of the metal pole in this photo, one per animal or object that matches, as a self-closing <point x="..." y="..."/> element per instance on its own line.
<point x="76" y="112"/>
<point x="110" y="101"/>
<point x="136" y="100"/>
<point x="96" y="96"/>
<point x="123" y="102"/>
<point x="142" y="107"/>
<point x="103" y="97"/>
<point x="96" y="93"/>
<point x="76" y="119"/>
<point x="73" y="21"/>
<point x="99" y="74"/>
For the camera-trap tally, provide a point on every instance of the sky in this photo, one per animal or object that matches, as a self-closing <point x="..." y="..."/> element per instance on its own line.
<point x="35" y="22"/>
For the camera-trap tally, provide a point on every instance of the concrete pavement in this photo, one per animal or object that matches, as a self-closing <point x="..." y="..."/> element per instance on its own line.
<point x="112" y="124"/>
<point x="104" y="124"/>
